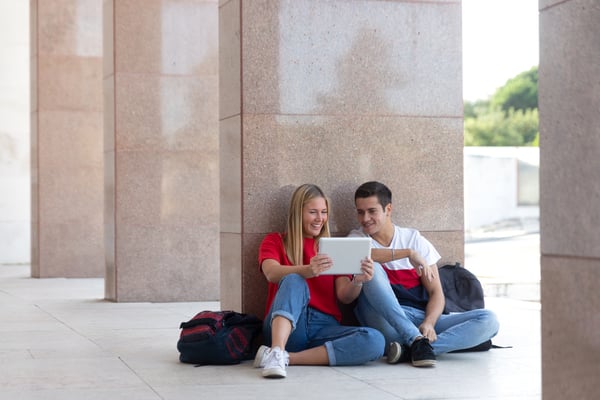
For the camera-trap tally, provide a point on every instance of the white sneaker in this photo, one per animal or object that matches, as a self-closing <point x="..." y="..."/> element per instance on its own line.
<point x="275" y="362"/>
<point x="261" y="356"/>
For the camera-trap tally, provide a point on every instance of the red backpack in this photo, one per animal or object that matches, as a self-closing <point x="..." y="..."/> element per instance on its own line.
<point x="218" y="337"/>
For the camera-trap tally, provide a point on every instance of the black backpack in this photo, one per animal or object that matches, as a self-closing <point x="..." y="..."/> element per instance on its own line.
<point x="218" y="338"/>
<point x="462" y="289"/>
<point x="463" y="292"/>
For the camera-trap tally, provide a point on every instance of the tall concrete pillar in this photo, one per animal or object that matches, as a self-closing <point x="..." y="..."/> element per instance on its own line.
<point x="337" y="93"/>
<point x="161" y="150"/>
<point x="66" y="139"/>
<point x="569" y="100"/>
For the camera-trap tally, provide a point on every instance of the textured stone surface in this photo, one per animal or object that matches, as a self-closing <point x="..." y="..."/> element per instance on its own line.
<point x="570" y="193"/>
<point x="569" y="104"/>
<point x="338" y="93"/>
<point x="66" y="139"/>
<point x="162" y="207"/>
<point x="570" y="318"/>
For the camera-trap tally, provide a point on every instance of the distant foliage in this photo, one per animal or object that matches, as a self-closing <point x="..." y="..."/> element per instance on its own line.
<point x="519" y="93"/>
<point x="497" y="128"/>
<point x="509" y="117"/>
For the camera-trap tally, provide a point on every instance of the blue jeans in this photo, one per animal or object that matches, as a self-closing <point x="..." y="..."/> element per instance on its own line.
<point x="346" y="345"/>
<point x="378" y="307"/>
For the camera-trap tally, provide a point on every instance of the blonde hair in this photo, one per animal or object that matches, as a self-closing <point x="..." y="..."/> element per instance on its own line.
<point x="294" y="239"/>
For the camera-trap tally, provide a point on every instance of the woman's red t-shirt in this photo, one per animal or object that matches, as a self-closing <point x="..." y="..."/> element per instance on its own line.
<point x="321" y="288"/>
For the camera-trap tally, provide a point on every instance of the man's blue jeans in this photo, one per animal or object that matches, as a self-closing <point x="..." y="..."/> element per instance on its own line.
<point x="378" y="307"/>
<point x="346" y="345"/>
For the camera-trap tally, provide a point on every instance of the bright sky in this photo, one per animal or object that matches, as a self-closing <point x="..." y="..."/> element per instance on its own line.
<point x="500" y="40"/>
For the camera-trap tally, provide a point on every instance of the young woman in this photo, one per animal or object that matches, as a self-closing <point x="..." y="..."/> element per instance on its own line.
<point x="302" y="323"/>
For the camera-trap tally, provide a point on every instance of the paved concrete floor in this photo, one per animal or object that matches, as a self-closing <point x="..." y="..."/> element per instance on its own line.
<point x="507" y="262"/>
<point x="60" y="340"/>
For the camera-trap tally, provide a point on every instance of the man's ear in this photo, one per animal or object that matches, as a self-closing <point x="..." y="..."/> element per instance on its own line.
<point x="388" y="209"/>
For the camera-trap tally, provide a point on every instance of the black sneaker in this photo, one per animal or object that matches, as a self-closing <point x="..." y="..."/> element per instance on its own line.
<point x="422" y="353"/>
<point x="397" y="353"/>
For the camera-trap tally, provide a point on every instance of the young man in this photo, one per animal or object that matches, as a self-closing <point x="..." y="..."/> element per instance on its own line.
<point x="404" y="300"/>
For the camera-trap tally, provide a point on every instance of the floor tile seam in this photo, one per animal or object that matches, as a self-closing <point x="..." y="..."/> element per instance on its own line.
<point x="144" y="381"/>
<point x="370" y="383"/>
<point x="70" y="327"/>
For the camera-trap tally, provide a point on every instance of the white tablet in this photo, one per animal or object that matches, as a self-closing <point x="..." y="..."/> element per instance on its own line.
<point x="346" y="253"/>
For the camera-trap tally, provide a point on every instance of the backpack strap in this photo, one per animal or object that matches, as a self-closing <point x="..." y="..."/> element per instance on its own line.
<point x="241" y="319"/>
<point x="200" y="321"/>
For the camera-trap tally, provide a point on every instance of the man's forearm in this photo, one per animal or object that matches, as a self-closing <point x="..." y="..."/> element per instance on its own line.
<point x="388" y="255"/>
<point x="435" y="308"/>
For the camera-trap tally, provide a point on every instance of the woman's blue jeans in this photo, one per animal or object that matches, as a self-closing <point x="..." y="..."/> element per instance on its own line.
<point x="378" y="307"/>
<point x="346" y="345"/>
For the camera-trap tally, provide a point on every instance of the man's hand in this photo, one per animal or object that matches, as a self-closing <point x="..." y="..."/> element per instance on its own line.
<point x="420" y="265"/>
<point x="427" y="330"/>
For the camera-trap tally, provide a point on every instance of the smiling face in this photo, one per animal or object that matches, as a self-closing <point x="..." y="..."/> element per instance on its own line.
<point x="372" y="217"/>
<point x="314" y="216"/>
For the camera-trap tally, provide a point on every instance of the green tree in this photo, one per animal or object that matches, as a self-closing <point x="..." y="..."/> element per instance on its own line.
<point x="519" y="93"/>
<point x="472" y="110"/>
<point x="497" y="128"/>
<point x="508" y="118"/>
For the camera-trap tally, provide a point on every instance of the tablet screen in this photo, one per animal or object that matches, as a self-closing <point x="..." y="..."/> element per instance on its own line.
<point x="346" y="253"/>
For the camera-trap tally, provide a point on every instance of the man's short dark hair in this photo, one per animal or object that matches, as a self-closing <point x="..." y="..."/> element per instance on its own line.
<point x="374" y="188"/>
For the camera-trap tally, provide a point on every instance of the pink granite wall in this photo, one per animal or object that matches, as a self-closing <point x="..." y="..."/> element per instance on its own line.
<point x="66" y="139"/>
<point x="337" y="93"/>
<point x="569" y="101"/>
<point x="161" y="72"/>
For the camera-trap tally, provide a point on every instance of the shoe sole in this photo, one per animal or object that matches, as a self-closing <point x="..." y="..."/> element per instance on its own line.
<point x="274" y="373"/>
<point x="394" y="353"/>
<point x="424" y="363"/>
<point x="260" y="354"/>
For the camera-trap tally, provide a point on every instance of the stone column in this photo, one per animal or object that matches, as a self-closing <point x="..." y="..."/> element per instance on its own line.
<point x="161" y="150"/>
<point x="569" y="100"/>
<point x="337" y="93"/>
<point x="66" y="139"/>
